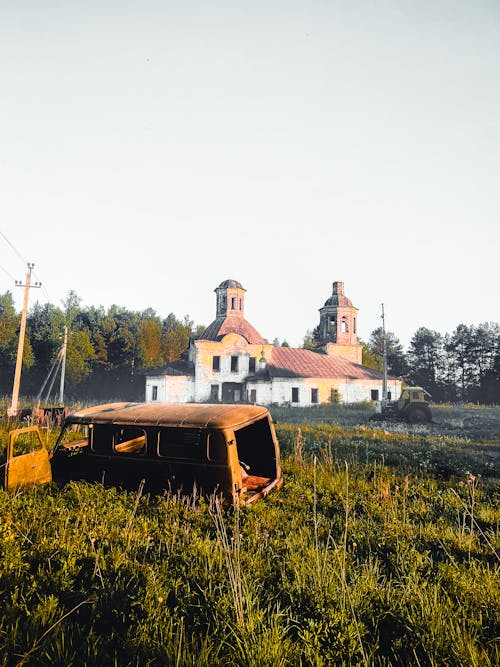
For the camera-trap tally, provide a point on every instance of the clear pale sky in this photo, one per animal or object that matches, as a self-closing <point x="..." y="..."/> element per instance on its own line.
<point x="150" y="150"/>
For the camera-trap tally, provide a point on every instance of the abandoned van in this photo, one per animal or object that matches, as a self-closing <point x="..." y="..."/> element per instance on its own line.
<point x="226" y="449"/>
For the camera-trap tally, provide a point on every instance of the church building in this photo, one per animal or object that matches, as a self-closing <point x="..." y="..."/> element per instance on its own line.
<point x="231" y="362"/>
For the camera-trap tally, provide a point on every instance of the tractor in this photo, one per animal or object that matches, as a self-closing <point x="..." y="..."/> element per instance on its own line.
<point x="412" y="406"/>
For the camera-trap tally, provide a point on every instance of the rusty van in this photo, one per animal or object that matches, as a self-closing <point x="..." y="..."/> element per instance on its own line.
<point x="231" y="450"/>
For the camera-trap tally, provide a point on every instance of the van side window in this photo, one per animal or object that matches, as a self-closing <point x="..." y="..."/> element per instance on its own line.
<point x="114" y="439"/>
<point x="101" y="439"/>
<point x="129" y="441"/>
<point x="186" y="444"/>
<point x="217" y="451"/>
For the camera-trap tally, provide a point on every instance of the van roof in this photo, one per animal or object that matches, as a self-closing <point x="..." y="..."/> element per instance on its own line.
<point x="194" y="415"/>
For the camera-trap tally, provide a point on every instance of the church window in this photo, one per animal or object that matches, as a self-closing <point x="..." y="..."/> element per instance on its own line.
<point x="345" y="327"/>
<point x="314" y="395"/>
<point x="154" y="392"/>
<point x="295" y="394"/>
<point x="251" y="365"/>
<point x="233" y="302"/>
<point x="234" y="364"/>
<point x="334" y="395"/>
<point x="354" y="325"/>
<point x="216" y="363"/>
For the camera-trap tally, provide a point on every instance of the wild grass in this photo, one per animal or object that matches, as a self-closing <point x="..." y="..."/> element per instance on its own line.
<point x="365" y="557"/>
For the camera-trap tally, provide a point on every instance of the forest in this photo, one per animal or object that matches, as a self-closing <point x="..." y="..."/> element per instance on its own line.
<point x="109" y="352"/>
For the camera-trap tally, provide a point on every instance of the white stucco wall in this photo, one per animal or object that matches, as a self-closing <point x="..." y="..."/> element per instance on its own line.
<point x="174" y="388"/>
<point x="170" y="389"/>
<point x="231" y="345"/>
<point x="351" y="391"/>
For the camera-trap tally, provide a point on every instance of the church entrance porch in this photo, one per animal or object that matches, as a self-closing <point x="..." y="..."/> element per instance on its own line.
<point x="232" y="392"/>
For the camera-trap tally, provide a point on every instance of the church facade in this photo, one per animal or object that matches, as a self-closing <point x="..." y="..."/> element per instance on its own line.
<point x="231" y="362"/>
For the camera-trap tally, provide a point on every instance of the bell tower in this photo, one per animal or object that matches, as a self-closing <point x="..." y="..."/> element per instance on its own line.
<point x="230" y="299"/>
<point x="338" y="325"/>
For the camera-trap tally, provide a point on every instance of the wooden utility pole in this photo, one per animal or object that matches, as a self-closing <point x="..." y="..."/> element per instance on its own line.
<point x="384" y="357"/>
<point x="63" y="366"/>
<point x="12" y="411"/>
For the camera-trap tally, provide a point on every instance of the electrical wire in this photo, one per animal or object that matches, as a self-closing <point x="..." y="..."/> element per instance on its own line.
<point x="14" y="248"/>
<point x="9" y="274"/>
<point x="25" y="262"/>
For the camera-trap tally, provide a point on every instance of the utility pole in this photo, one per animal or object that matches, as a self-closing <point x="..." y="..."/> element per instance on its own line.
<point x="63" y="366"/>
<point x="384" y="357"/>
<point x="12" y="411"/>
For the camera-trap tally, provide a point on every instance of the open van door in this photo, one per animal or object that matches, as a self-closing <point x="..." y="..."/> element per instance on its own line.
<point x="28" y="461"/>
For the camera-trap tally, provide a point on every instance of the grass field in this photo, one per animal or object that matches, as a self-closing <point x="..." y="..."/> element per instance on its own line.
<point x="381" y="549"/>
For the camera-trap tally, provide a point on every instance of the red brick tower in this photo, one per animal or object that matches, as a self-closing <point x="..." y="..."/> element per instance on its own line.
<point x="338" y="325"/>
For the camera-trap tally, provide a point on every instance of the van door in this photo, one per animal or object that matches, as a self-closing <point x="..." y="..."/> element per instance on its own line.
<point x="28" y="460"/>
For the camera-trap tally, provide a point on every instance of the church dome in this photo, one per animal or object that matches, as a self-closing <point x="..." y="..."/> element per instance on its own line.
<point x="230" y="283"/>
<point x="339" y="300"/>
<point x="338" y="297"/>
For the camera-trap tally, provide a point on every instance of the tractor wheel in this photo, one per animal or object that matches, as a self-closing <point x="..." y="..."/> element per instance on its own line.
<point x="417" y="416"/>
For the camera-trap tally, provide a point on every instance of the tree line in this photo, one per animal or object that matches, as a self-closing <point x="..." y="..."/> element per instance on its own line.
<point x="463" y="366"/>
<point x="109" y="352"/>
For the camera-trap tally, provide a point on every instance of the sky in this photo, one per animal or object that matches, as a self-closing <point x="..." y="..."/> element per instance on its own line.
<point x="150" y="150"/>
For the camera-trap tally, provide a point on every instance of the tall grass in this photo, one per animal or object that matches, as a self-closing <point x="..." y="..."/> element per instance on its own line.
<point x="365" y="556"/>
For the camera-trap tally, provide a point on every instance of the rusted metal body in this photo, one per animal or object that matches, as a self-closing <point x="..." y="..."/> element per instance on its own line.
<point x="231" y="450"/>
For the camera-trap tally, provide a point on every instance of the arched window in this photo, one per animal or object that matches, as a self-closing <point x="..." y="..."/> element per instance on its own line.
<point x="354" y="325"/>
<point x="345" y="327"/>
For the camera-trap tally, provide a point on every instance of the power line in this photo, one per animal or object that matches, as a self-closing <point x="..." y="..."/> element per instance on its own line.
<point x="25" y="262"/>
<point x="9" y="274"/>
<point x="14" y="249"/>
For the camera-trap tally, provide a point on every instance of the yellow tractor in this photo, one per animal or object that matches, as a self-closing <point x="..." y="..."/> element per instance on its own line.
<point x="412" y="406"/>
